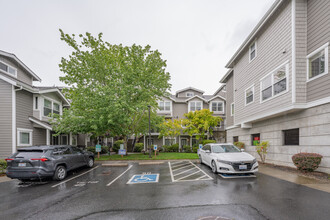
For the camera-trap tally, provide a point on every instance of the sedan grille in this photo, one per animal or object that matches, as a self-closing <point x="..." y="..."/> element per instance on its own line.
<point x="236" y="166"/>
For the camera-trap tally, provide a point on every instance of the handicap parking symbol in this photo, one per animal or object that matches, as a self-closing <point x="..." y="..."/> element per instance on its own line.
<point x="144" y="178"/>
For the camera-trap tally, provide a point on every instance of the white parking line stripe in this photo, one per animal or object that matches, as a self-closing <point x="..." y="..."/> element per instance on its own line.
<point x="187" y="176"/>
<point x="200" y="177"/>
<point x="120" y="175"/>
<point x="75" y="177"/>
<point x="180" y="166"/>
<point x="169" y="164"/>
<point x="201" y="170"/>
<point x="184" y="171"/>
<point x="174" y="163"/>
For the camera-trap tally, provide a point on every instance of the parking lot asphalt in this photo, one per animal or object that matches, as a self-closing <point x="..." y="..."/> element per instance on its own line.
<point x="178" y="190"/>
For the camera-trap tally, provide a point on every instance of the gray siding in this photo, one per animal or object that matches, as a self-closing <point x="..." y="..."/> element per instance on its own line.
<point x="5" y="119"/>
<point x="24" y="109"/>
<point x="229" y="100"/>
<point x="179" y="109"/>
<point x="22" y="75"/>
<point x="39" y="136"/>
<point x="318" y="33"/>
<point x="273" y="39"/>
<point x="183" y="94"/>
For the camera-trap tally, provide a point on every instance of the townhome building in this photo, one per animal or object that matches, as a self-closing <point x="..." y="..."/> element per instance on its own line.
<point x="25" y="109"/>
<point x="278" y="83"/>
<point x="184" y="101"/>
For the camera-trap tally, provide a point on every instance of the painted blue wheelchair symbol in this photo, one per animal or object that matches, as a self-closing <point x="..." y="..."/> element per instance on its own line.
<point x="144" y="178"/>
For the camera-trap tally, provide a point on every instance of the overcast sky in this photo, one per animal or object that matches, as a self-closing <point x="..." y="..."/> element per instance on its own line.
<point x="196" y="37"/>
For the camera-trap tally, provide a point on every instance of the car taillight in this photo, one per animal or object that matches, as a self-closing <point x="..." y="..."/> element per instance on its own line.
<point x="41" y="159"/>
<point x="8" y="159"/>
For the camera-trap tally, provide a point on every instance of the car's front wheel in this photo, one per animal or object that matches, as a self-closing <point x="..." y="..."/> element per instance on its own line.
<point x="60" y="173"/>
<point x="90" y="162"/>
<point x="214" y="167"/>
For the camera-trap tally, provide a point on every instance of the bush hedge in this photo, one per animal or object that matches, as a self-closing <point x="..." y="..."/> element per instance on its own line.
<point x="240" y="145"/>
<point x="138" y="147"/>
<point x="104" y="149"/>
<point x="116" y="145"/>
<point x="208" y="142"/>
<point x="3" y="166"/>
<point x="195" y="149"/>
<point x="187" y="149"/>
<point x="307" y="161"/>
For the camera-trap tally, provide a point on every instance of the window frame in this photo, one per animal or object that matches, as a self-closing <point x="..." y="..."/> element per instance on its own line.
<point x="253" y="92"/>
<point x="163" y="101"/>
<point x="255" y="50"/>
<point x="192" y="94"/>
<point x="24" y="130"/>
<point x="189" y="105"/>
<point x="217" y="112"/>
<point x="52" y="106"/>
<point x="324" y="48"/>
<point x="232" y="108"/>
<point x="284" y="137"/>
<point x="286" y="66"/>
<point x="9" y="66"/>
<point x="255" y="135"/>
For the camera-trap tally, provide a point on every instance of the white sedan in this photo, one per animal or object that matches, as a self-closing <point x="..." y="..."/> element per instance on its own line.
<point x="227" y="158"/>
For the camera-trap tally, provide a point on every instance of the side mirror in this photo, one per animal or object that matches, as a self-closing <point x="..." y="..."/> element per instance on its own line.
<point x="207" y="151"/>
<point x="242" y="150"/>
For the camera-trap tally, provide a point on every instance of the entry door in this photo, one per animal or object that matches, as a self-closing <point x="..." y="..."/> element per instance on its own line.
<point x="184" y="142"/>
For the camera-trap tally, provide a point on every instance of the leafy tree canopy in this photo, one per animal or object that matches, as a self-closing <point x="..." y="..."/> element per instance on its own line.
<point x="110" y="86"/>
<point x="170" y="128"/>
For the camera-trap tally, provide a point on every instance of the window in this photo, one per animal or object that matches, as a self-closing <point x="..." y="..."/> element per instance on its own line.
<point x="24" y="137"/>
<point x="291" y="137"/>
<point x="249" y="95"/>
<point x="253" y="51"/>
<point x="189" y="94"/>
<point x="74" y="140"/>
<point x="64" y="139"/>
<point x="195" y="106"/>
<point x="274" y="83"/>
<point x="150" y="142"/>
<point x="8" y="69"/>
<point x="235" y="139"/>
<point x="164" y="106"/>
<point x="55" y="140"/>
<point x="217" y="106"/>
<point x="317" y="62"/>
<point x="36" y="103"/>
<point x="51" y="107"/>
<point x="169" y="141"/>
<point x="255" y="139"/>
<point x="232" y="109"/>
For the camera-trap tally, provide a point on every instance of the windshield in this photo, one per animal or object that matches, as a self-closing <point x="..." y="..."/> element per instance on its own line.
<point x="224" y="149"/>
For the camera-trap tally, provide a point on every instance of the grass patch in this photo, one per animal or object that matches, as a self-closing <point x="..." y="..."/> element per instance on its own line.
<point x="161" y="156"/>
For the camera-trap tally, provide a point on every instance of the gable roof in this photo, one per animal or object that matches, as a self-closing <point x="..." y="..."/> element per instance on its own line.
<point x="254" y="32"/>
<point x="189" y="88"/>
<point x="224" y="78"/>
<point x="218" y="96"/>
<point x="218" y="90"/>
<point x="196" y="96"/>
<point x="43" y="90"/>
<point x="13" y="56"/>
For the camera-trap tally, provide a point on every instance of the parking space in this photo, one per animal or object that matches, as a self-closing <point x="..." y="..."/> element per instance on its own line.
<point x="182" y="171"/>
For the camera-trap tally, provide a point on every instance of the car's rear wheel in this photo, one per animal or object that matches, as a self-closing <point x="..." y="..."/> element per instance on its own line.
<point x="214" y="167"/>
<point x="90" y="162"/>
<point x="60" y="173"/>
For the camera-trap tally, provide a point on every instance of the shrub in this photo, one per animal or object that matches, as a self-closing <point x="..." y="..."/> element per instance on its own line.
<point x="166" y="148"/>
<point x="262" y="150"/>
<point x="174" y="148"/>
<point x="138" y="147"/>
<point x="3" y="166"/>
<point x="91" y="149"/>
<point x="208" y="142"/>
<point x="195" y="149"/>
<point x="187" y="149"/>
<point x="116" y="145"/>
<point x="104" y="149"/>
<point x="240" y="145"/>
<point x="307" y="161"/>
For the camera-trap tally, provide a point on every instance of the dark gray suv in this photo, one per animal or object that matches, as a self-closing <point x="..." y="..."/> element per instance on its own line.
<point x="47" y="161"/>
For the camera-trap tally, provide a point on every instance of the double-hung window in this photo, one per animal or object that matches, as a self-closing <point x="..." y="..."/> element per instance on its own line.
<point x="51" y="107"/>
<point x="164" y="106"/>
<point x="24" y="137"/>
<point x="274" y="83"/>
<point x="195" y="106"/>
<point x="8" y="69"/>
<point x="317" y="62"/>
<point x="249" y="95"/>
<point x="253" y="51"/>
<point x="217" y="106"/>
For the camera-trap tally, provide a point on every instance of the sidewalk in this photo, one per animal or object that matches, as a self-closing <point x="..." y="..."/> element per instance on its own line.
<point x="4" y="179"/>
<point x="322" y="185"/>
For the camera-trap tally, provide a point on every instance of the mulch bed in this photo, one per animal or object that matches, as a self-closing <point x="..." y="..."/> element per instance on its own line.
<point x="315" y="175"/>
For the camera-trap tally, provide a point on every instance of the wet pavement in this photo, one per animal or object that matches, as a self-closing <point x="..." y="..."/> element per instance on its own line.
<point x="182" y="191"/>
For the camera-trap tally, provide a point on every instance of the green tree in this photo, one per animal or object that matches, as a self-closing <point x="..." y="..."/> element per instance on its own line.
<point x="171" y="128"/>
<point x="200" y="123"/>
<point x="110" y="86"/>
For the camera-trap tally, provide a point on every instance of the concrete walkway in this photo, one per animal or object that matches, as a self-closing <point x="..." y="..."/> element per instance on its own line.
<point x="322" y="185"/>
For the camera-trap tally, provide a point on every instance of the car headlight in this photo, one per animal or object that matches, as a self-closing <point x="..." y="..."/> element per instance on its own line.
<point x="254" y="161"/>
<point x="225" y="162"/>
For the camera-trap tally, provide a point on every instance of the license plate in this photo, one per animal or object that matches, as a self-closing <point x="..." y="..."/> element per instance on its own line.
<point x="22" y="164"/>
<point x="242" y="167"/>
